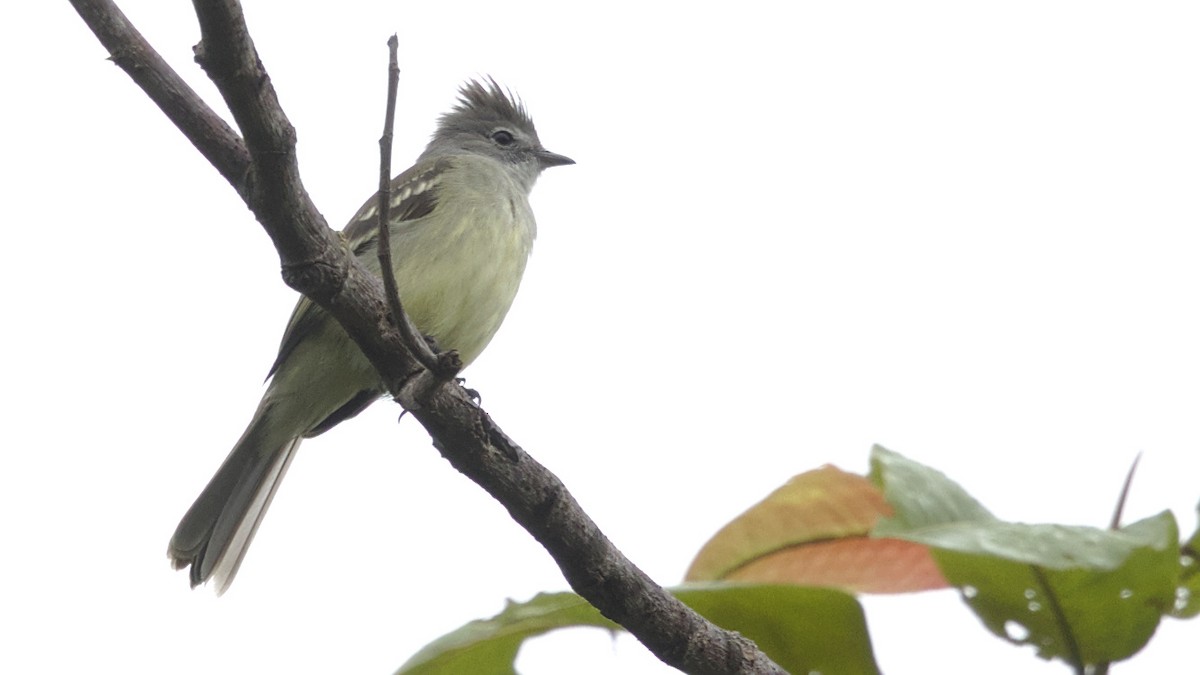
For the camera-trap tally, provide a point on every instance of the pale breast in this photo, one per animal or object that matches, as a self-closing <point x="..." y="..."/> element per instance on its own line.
<point x="459" y="268"/>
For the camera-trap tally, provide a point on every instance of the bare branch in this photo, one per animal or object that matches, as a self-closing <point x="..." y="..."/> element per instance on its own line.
<point x="412" y="336"/>
<point x="266" y="175"/>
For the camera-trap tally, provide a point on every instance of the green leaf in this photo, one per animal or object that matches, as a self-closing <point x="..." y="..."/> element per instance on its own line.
<point x="803" y="629"/>
<point x="1088" y="613"/>
<point x="490" y="645"/>
<point x="921" y="496"/>
<point x="1081" y="594"/>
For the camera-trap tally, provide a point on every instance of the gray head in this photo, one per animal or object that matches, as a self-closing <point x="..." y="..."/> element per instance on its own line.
<point x="489" y="121"/>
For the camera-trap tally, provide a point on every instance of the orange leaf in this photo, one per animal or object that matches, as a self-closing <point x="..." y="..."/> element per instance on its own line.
<point x="857" y="564"/>
<point x="813" y="531"/>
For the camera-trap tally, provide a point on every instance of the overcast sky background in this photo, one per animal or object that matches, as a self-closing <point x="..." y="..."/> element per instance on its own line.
<point x="965" y="231"/>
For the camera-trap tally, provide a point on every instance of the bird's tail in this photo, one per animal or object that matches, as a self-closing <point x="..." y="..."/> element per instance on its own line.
<point x="214" y="534"/>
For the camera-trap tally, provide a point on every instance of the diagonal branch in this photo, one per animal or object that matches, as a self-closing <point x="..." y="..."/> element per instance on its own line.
<point x="315" y="262"/>
<point x="219" y="144"/>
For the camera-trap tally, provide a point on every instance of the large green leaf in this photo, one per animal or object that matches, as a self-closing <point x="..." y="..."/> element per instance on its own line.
<point x="1081" y="594"/>
<point x="1082" y="614"/>
<point x="803" y="629"/>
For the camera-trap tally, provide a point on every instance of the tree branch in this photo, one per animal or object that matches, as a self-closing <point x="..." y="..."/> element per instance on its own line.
<point x="219" y="144"/>
<point x="265" y="173"/>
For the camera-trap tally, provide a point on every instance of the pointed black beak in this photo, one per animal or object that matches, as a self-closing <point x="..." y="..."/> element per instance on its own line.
<point x="547" y="159"/>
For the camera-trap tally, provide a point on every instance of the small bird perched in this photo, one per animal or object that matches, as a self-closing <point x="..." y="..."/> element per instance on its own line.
<point x="461" y="231"/>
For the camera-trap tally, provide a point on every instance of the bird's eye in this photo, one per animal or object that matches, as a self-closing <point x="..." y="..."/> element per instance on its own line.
<point x="503" y="137"/>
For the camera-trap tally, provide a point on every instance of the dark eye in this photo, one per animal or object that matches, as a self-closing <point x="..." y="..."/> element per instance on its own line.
<point x="503" y="137"/>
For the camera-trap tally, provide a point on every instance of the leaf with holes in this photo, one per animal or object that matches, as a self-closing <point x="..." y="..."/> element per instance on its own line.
<point x="1187" y="593"/>
<point x="1081" y="594"/>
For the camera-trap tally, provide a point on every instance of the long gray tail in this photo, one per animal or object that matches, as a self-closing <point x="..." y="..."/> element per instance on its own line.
<point x="214" y="534"/>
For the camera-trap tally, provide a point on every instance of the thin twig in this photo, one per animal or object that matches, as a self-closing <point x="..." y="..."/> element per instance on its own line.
<point x="415" y="342"/>
<point x="1116" y="519"/>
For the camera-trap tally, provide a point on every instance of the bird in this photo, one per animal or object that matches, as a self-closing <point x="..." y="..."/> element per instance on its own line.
<point x="461" y="231"/>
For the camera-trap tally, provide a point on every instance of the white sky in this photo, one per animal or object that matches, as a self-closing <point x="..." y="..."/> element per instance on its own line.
<point x="967" y="232"/>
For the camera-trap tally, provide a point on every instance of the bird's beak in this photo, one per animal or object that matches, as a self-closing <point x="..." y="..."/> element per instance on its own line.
<point x="547" y="159"/>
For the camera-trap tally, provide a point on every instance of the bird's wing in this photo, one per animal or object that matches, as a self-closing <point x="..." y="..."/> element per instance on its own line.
<point x="414" y="196"/>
